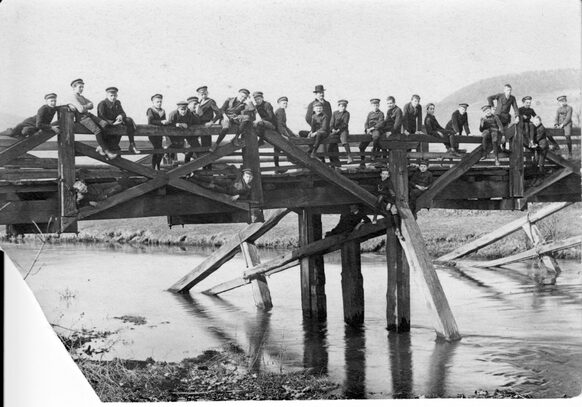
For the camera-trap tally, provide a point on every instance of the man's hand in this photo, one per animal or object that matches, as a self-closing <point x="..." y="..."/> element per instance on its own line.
<point x="208" y="124"/>
<point x="419" y="132"/>
<point x="164" y="122"/>
<point x="234" y="197"/>
<point x="516" y="120"/>
<point x="73" y="108"/>
<point x="56" y="129"/>
<point x="358" y="226"/>
<point x="406" y="132"/>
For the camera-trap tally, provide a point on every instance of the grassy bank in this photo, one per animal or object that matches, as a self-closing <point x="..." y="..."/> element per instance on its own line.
<point x="443" y="230"/>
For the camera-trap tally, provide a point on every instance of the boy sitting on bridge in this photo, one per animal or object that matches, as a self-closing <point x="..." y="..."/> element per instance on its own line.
<point x="491" y="128"/>
<point x="386" y="201"/>
<point x="350" y="221"/>
<point x="319" y="129"/>
<point x="459" y="121"/>
<point x="157" y="117"/>
<point x="525" y="125"/>
<point x="239" y="115"/>
<point x="541" y="142"/>
<point x="419" y="181"/>
<point x="433" y="128"/>
<point x="40" y="122"/>
<point x="340" y="120"/>
<point x="81" y="106"/>
<point x="239" y="188"/>
<point x="111" y="111"/>
<point x="372" y="126"/>
<point x="181" y="118"/>
<point x="193" y="141"/>
<point x="503" y="104"/>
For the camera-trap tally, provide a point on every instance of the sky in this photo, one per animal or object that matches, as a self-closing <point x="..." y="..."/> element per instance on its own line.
<point x="358" y="49"/>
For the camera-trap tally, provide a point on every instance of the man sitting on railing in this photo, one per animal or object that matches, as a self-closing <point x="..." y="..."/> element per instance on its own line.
<point x="503" y="104"/>
<point x="541" y="142"/>
<point x="372" y="126"/>
<point x="268" y="121"/>
<point x="193" y="141"/>
<point x="239" y="115"/>
<point x="419" y="181"/>
<point x="81" y="106"/>
<point x="181" y="118"/>
<point x="392" y="124"/>
<point x="491" y="128"/>
<point x="111" y="111"/>
<point x="40" y="122"/>
<point x="433" y="128"/>
<point x="459" y="121"/>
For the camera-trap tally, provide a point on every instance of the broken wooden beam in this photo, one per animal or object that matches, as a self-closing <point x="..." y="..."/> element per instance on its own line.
<point x="503" y="231"/>
<point x="551" y="269"/>
<point x="260" y="288"/>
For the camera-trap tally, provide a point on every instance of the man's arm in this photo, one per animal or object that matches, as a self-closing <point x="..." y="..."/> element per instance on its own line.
<point x="492" y="99"/>
<point x="121" y="111"/>
<point x="309" y="113"/>
<point x="397" y="120"/>
<point x="102" y="112"/>
<point x="40" y="122"/>
<point x="568" y="116"/>
<point x="419" y="119"/>
<point x="75" y="104"/>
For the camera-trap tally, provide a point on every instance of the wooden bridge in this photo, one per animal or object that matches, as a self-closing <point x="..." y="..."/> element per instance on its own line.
<point x="36" y="194"/>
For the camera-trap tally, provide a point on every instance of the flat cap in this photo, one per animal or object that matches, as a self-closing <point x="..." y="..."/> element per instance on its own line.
<point x="465" y="105"/>
<point x="192" y="99"/>
<point x="560" y="98"/>
<point x="423" y="161"/>
<point x="77" y="81"/>
<point x="283" y="99"/>
<point x="112" y="89"/>
<point x="523" y="99"/>
<point x="247" y="170"/>
<point x="257" y="94"/>
<point x="486" y="107"/>
<point x="202" y="88"/>
<point x="182" y="103"/>
<point x="375" y="100"/>
<point x="318" y="104"/>
<point x="342" y="102"/>
<point x="157" y="96"/>
<point x="245" y="91"/>
<point x="50" y="96"/>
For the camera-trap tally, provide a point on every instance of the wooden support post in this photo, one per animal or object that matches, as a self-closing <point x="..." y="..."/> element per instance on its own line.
<point x="503" y="231"/>
<point x="398" y="272"/>
<point x="313" y="300"/>
<point x="260" y="288"/>
<point x="398" y="285"/>
<point x="352" y="283"/>
<point x="549" y="264"/>
<point x="66" y="169"/>
<point x="251" y="160"/>
<point x="516" y="163"/>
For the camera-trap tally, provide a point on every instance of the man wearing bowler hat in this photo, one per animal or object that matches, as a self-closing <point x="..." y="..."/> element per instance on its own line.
<point x="239" y="114"/>
<point x="110" y="110"/>
<point x="319" y="92"/>
<point x="563" y="120"/>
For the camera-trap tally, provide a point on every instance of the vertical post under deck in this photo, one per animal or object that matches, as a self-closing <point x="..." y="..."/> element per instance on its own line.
<point x="313" y="300"/>
<point x="352" y="283"/>
<point x="66" y="170"/>
<point x="259" y="286"/>
<point x="398" y="272"/>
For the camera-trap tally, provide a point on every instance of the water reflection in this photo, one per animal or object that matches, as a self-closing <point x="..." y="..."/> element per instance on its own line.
<point x="315" y="353"/>
<point x="400" y="354"/>
<point x="440" y="362"/>
<point x="355" y="360"/>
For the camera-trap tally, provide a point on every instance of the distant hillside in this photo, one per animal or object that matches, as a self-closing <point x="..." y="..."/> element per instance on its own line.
<point x="543" y="86"/>
<point x="9" y="120"/>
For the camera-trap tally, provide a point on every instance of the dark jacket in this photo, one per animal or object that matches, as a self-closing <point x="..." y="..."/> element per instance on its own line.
<point x="374" y="120"/>
<point x="109" y="111"/>
<point x="232" y="107"/>
<point x="526" y="113"/>
<point x="266" y="113"/>
<point x="432" y="125"/>
<point x="208" y="111"/>
<point x="326" y="111"/>
<point x="542" y="137"/>
<point x="175" y="118"/>
<point x="320" y="124"/>
<point x="412" y="118"/>
<point x="155" y="117"/>
<point x="282" y="128"/>
<point x="385" y="190"/>
<point x="393" y="120"/>
<point x="490" y="123"/>
<point x="348" y="222"/>
<point x="424" y="179"/>
<point x="459" y="122"/>
<point x="44" y="117"/>
<point x="504" y="104"/>
<point x="340" y="120"/>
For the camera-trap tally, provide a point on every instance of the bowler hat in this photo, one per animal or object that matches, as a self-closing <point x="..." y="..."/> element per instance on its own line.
<point x="319" y="88"/>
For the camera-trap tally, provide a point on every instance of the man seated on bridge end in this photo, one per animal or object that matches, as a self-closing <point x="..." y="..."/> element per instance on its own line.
<point x="419" y="181"/>
<point x="81" y="106"/>
<point x="392" y="124"/>
<point x="433" y="128"/>
<point x="459" y="121"/>
<point x="350" y="221"/>
<point x="412" y="117"/>
<point x="339" y="124"/>
<point x="239" y="188"/>
<point x="238" y="115"/>
<point x="157" y="117"/>
<point x="541" y="142"/>
<point x="372" y="126"/>
<point x="110" y="110"/>
<point x="563" y="120"/>
<point x="386" y="202"/>
<point x="41" y="122"/>
<point x="492" y="129"/>
<point x="182" y="118"/>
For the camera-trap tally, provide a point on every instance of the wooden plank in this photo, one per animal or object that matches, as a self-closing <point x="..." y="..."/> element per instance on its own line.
<point x="17" y="148"/>
<point x="250" y="233"/>
<point x="549" y="263"/>
<point x="145" y="130"/>
<point x="424" y="200"/>
<point x="260" y="288"/>
<point x="312" y="268"/>
<point x="26" y="161"/>
<point x="423" y="269"/>
<point x="528" y="254"/>
<point x="118" y="162"/>
<point x="549" y="180"/>
<point x="196" y="189"/>
<point x="516" y="182"/>
<point x="352" y="283"/>
<point x="66" y="169"/>
<point x="398" y="285"/>
<point x="503" y="231"/>
<point x="574" y="166"/>
<point x="204" y="160"/>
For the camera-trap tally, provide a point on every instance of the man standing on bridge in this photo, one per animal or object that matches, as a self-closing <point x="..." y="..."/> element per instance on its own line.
<point x="563" y="120"/>
<point x="503" y="102"/>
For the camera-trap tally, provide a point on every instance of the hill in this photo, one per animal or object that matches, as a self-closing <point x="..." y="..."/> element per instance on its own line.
<point x="543" y="86"/>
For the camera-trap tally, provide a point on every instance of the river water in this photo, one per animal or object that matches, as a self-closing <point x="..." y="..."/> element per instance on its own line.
<point x="515" y="336"/>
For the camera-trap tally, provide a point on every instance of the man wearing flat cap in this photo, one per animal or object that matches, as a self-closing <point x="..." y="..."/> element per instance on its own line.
<point x="208" y="113"/>
<point x="372" y="126"/>
<point x="40" y="122"/>
<point x="525" y="125"/>
<point x="339" y="125"/>
<point x="193" y="141"/>
<point x="459" y="121"/>
<point x="268" y="121"/>
<point x="81" y="106"/>
<point x="240" y="114"/>
<point x="492" y="129"/>
<point x="319" y="92"/>
<point x="503" y="102"/>
<point x="563" y="120"/>
<point x="110" y="110"/>
<point x="419" y="181"/>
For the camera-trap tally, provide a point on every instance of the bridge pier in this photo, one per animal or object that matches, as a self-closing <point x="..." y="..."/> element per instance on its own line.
<point x="313" y="300"/>
<point x="352" y="283"/>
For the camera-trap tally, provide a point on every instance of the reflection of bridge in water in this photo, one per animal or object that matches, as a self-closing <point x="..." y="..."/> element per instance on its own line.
<point x="37" y="195"/>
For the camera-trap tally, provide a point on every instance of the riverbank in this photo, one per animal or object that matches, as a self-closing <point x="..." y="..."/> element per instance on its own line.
<point x="443" y="231"/>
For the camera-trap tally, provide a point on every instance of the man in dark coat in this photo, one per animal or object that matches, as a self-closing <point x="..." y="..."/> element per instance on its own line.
<point x="412" y="116"/>
<point x="208" y="113"/>
<point x="339" y="125"/>
<point x="238" y="113"/>
<point x="268" y="121"/>
<point x="503" y="102"/>
<point x="41" y="122"/>
<point x="156" y="117"/>
<point x="193" y="141"/>
<point x="459" y="121"/>
<point x="112" y="112"/>
<point x="525" y="125"/>
<point x="372" y="126"/>
<point x="433" y="128"/>
<point x="542" y="142"/>
<point x="386" y="201"/>
<point x="319" y="92"/>
<point x="491" y="128"/>
<point x="350" y="221"/>
<point x="319" y="129"/>
<point x="419" y="181"/>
